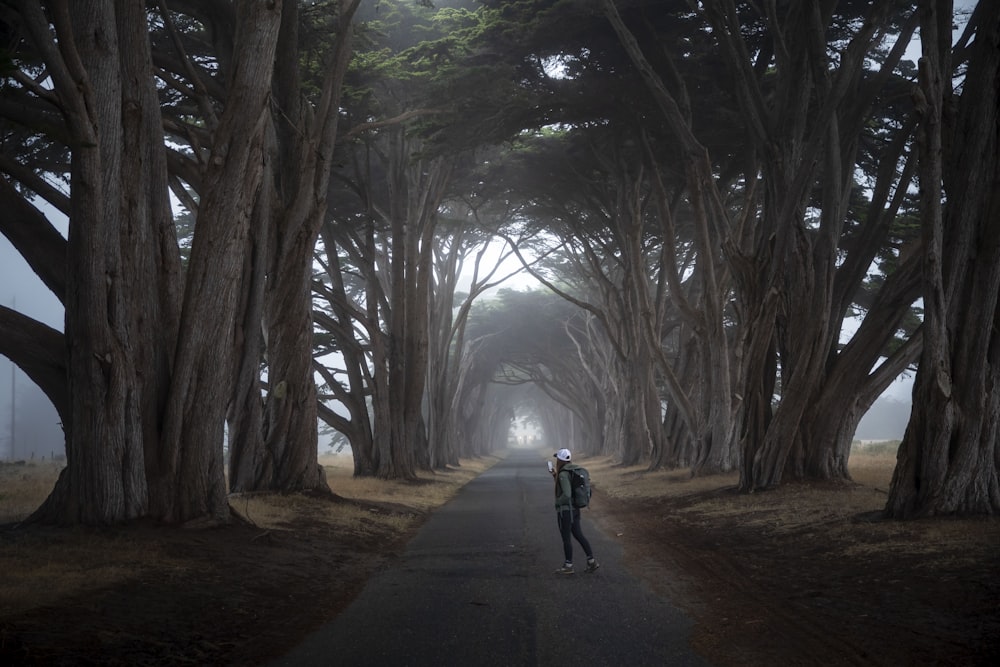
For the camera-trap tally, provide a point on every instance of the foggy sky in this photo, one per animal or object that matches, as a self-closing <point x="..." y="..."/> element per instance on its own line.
<point x="37" y="431"/>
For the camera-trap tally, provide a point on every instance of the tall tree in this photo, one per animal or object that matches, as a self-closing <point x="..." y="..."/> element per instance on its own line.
<point x="790" y="283"/>
<point x="387" y="329"/>
<point x="105" y="476"/>
<point x="710" y="421"/>
<point x="462" y="235"/>
<point x="405" y="203"/>
<point x="949" y="460"/>
<point x="283" y="457"/>
<point x="792" y="287"/>
<point x="148" y="366"/>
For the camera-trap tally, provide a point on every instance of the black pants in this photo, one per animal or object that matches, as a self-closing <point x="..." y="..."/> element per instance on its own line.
<point x="569" y="524"/>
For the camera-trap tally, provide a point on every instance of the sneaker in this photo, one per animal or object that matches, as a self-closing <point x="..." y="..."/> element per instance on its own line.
<point x="565" y="569"/>
<point x="592" y="565"/>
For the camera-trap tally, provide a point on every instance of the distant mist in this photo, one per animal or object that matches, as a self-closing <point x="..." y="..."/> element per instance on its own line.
<point x="886" y="420"/>
<point x="37" y="432"/>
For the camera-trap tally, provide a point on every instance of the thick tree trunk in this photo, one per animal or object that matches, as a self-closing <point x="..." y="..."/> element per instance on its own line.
<point x="640" y="414"/>
<point x="148" y="239"/>
<point x="248" y="463"/>
<point x="105" y="91"/>
<point x="290" y="423"/>
<point x="949" y="460"/>
<point x="710" y="421"/>
<point x="302" y="161"/>
<point x="190" y="481"/>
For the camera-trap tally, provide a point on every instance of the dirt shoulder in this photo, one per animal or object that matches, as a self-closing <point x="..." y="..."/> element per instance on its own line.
<point x="804" y="575"/>
<point x="229" y="595"/>
<point x="810" y="574"/>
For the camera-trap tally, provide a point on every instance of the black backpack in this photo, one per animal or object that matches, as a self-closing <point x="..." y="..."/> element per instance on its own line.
<point x="579" y="481"/>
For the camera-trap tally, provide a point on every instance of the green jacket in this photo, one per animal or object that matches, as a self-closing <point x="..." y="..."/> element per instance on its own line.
<point x="564" y="488"/>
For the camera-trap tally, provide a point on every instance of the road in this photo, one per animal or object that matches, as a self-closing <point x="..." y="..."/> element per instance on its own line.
<point x="476" y="587"/>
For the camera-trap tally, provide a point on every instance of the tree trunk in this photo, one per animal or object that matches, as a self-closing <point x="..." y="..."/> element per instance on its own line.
<point x="949" y="460"/>
<point x="291" y="436"/>
<point x="249" y="466"/>
<point x="444" y="349"/>
<point x="190" y="482"/>
<point x="105" y="95"/>
<point x="340" y="324"/>
<point x="714" y="432"/>
<point x="302" y="161"/>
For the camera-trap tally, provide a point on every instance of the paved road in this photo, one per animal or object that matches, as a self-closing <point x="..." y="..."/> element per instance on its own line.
<point x="476" y="587"/>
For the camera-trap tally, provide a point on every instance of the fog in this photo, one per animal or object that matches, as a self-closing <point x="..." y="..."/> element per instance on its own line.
<point x="886" y="420"/>
<point x="29" y="424"/>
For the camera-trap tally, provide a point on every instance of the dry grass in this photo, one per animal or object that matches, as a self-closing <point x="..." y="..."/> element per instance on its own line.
<point x="843" y="515"/>
<point x="52" y="564"/>
<point x="23" y="487"/>
<point x="378" y="504"/>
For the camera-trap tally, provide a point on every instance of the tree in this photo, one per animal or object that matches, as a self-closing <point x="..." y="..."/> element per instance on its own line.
<point x="274" y="448"/>
<point x="147" y="366"/>
<point x="118" y="221"/>
<point x="794" y="290"/>
<point x="949" y="460"/>
<point x="393" y="192"/>
<point x="462" y="234"/>
<point x="795" y="262"/>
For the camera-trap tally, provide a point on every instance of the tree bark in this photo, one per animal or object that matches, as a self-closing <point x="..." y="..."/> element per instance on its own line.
<point x="190" y="482"/>
<point x="791" y="294"/>
<point x="99" y="72"/>
<point x="307" y="147"/>
<point x="710" y="422"/>
<point x="949" y="460"/>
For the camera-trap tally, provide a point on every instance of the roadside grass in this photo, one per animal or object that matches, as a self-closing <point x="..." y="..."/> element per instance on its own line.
<point x="870" y="467"/>
<point x="374" y="504"/>
<point x="41" y="567"/>
<point x="845" y="517"/>
<point x="23" y="488"/>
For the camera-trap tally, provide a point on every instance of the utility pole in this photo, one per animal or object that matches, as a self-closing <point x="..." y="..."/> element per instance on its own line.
<point x="13" y="372"/>
<point x="13" y="375"/>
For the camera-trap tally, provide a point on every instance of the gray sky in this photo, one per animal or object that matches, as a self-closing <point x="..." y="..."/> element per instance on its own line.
<point x="36" y="424"/>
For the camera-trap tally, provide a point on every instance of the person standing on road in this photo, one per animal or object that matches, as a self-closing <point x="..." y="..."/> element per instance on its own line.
<point x="569" y="516"/>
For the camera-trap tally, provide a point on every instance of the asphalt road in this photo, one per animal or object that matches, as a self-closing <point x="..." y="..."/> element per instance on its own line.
<point x="476" y="587"/>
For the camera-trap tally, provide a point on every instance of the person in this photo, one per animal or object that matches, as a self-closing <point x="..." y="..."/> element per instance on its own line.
<point x="568" y="516"/>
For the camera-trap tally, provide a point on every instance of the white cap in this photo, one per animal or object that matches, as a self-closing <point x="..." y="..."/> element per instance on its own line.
<point x="563" y="455"/>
